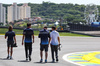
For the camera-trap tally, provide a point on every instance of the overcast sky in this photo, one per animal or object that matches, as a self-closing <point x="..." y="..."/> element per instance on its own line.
<point x="97" y="2"/>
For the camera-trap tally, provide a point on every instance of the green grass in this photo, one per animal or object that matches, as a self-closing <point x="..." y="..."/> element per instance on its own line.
<point x="4" y="30"/>
<point x="20" y="32"/>
<point x="72" y="34"/>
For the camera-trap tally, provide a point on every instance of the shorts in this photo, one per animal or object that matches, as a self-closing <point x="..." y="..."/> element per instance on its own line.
<point x="42" y="47"/>
<point x="10" y="43"/>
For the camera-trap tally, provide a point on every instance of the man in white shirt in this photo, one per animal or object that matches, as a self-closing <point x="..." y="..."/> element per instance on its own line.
<point x="55" y="42"/>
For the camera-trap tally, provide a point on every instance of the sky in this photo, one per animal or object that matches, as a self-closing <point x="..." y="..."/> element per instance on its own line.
<point x="97" y="2"/>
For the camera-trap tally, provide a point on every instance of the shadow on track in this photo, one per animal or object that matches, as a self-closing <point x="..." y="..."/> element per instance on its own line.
<point x="39" y="62"/>
<point x="5" y="59"/>
<point x="52" y="62"/>
<point x="23" y="61"/>
<point x="44" y="62"/>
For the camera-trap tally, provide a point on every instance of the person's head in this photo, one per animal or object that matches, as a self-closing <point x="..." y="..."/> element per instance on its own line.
<point x="29" y="25"/>
<point x="45" y="27"/>
<point x="53" y="28"/>
<point x="10" y="28"/>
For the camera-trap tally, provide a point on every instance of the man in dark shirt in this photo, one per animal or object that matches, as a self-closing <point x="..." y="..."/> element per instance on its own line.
<point x="44" y="35"/>
<point x="28" y="34"/>
<point x="10" y="41"/>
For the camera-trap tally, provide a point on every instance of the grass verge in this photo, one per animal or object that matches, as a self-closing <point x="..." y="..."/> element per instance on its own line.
<point x="20" y="32"/>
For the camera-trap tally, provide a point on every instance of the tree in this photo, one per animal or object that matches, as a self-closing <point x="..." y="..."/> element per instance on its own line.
<point x="78" y="21"/>
<point x="52" y="10"/>
<point x="69" y="18"/>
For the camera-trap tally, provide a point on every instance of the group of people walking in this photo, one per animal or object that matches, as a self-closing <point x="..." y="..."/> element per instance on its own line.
<point x="47" y="39"/>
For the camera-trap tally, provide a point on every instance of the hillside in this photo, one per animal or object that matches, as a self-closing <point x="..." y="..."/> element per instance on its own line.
<point x="70" y="12"/>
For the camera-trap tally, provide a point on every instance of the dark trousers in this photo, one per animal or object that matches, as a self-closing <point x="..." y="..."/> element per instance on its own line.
<point x="54" y="48"/>
<point x="28" y="46"/>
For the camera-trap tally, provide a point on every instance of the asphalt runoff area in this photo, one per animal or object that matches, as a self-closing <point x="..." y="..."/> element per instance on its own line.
<point x="70" y="46"/>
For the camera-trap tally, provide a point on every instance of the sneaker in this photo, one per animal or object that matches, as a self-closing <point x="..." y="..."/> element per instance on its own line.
<point x="53" y="61"/>
<point x="10" y="57"/>
<point x="41" y="60"/>
<point x="45" y="61"/>
<point x="29" y="58"/>
<point x="26" y="59"/>
<point x="57" y="60"/>
<point x="7" y="57"/>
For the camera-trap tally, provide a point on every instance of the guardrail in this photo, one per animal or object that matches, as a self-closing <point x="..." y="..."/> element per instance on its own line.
<point x="79" y="27"/>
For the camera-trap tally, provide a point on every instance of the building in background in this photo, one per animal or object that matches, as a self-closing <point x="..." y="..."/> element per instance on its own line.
<point x="18" y="12"/>
<point x="2" y="14"/>
<point x="25" y="11"/>
<point x="12" y="13"/>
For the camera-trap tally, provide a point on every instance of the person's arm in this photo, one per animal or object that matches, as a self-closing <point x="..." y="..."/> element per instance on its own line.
<point x="5" y="37"/>
<point x="23" y="39"/>
<point x="33" y="38"/>
<point x="59" y="40"/>
<point x="15" y="39"/>
<point x="39" y="36"/>
<point x="49" y="41"/>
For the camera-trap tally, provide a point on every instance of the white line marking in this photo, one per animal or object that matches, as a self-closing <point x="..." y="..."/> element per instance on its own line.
<point x="66" y="55"/>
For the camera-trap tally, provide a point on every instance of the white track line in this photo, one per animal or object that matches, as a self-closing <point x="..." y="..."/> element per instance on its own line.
<point x="66" y="55"/>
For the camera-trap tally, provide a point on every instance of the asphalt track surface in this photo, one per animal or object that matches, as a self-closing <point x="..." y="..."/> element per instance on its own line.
<point x="69" y="45"/>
